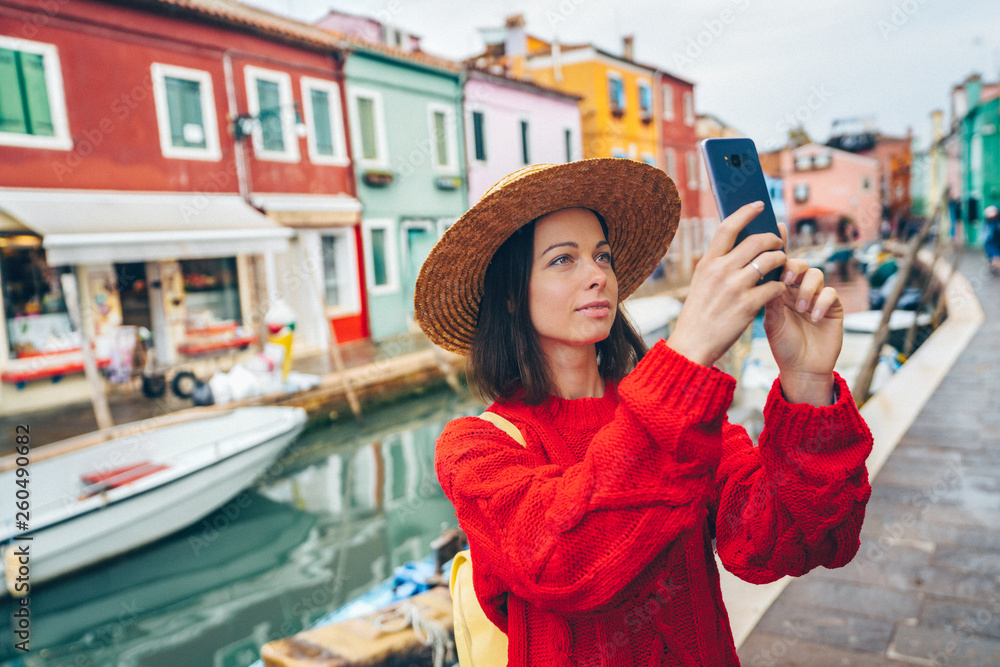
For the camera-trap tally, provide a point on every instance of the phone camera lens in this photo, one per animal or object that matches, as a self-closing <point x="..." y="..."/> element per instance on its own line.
<point x="734" y="160"/>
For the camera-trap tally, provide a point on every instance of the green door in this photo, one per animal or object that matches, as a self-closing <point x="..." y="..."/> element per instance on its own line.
<point x="419" y="241"/>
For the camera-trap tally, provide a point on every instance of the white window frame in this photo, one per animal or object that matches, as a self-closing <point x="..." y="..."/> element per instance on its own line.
<point x="212" y="151"/>
<point x="667" y="100"/>
<point x="688" y="107"/>
<point x="381" y="160"/>
<point x="671" y="166"/>
<point x="451" y="145"/>
<point x="339" y="157"/>
<point x="443" y="224"/>
<point x="691" y="165"/>
<point x="251" y="74"/>
<point x="347" y="272"/>
<point x="391" y="256"/>
<point x="61" y="139"/>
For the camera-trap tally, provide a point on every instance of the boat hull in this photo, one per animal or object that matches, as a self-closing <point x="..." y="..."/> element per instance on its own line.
<point x="133" y="517"/>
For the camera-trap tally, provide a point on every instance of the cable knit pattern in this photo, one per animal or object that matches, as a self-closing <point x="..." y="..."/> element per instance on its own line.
<point x="593" y="544"/>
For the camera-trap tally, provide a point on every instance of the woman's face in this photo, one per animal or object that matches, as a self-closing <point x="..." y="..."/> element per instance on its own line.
<point x="572" y="292"/>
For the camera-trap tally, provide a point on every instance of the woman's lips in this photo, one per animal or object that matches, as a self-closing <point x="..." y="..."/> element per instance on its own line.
<point x="595" y="309"/>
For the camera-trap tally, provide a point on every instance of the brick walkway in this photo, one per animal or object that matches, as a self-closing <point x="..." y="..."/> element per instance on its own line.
<point x="925" y="587"/>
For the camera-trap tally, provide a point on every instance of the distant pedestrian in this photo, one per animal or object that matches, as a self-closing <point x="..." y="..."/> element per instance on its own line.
<point x="593" y="539"/>
<point x="992" y="243"/>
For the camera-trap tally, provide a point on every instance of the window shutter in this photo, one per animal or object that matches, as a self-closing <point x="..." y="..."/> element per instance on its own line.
<point x="321" y="124"/>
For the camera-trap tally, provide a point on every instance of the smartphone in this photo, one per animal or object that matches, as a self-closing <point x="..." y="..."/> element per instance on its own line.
<point x="736" y="178"/>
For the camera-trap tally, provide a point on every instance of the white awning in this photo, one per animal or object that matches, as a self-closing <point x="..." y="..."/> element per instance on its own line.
<point x="96" y="226"/>
<point x="309" y="210"/>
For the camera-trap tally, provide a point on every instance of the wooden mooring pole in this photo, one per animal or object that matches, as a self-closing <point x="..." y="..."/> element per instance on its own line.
<point x="861" y="390"/>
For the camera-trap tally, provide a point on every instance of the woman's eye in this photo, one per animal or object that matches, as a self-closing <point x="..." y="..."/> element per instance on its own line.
<point x="604" y="257"/>
<point x="561" y="259"/>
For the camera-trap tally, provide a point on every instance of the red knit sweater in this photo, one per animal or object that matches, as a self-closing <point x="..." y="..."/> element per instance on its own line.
<point x="593" y="545"/>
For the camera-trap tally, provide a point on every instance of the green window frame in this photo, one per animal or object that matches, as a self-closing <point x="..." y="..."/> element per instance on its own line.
<point x="366" y="122"/>
<point x="184" y="109"/>
<point x="322" y="129"/>
<point x="479" y="135"/>
<point x="24" y="95"/>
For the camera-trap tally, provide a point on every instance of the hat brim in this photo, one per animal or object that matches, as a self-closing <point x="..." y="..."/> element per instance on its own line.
<point x="638" y="202"/>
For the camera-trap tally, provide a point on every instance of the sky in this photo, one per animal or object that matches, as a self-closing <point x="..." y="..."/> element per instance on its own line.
<point x="758" y="66"/>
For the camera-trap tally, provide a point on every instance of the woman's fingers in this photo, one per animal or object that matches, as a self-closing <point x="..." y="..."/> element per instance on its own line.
<point x="725" y="236"/>
<point x="809" y="288"/>
<point x="766" y="262"/>
<point x="794" y="270"/>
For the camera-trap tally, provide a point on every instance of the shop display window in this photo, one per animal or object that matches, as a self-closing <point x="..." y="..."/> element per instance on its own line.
<point x="212" y="291"/>
<point x="36" y="317"/>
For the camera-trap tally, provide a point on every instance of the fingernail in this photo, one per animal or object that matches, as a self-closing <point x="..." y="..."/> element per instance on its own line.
<point x="788" y="278"/>
<point x="802" y="305"/>
<point x="816" y="315"/>
<point x="758" y="204"/>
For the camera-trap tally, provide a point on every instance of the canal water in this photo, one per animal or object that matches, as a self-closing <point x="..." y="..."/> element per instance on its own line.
<point x="345" y="505"/>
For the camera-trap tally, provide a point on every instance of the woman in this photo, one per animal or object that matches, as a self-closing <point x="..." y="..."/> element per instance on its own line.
<point x="593" y="543"/>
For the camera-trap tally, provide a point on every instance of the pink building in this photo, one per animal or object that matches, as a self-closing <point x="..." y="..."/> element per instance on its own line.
<point x="824" y="185"/>
<point x="510" y="123"/>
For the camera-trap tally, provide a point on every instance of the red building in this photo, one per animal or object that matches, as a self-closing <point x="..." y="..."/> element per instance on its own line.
<point x="679" y="157"/>
<point x="187" y="161"/>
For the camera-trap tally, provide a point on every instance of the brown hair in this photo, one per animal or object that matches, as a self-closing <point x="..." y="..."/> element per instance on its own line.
<point x="505" y="356"/>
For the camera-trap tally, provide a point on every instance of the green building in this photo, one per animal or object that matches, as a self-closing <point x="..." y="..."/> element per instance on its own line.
<point x="404" y="111"/>
<point x="977" y="125"/>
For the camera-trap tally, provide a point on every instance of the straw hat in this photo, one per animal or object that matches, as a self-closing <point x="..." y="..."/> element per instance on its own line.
<point x="639" y="203"/>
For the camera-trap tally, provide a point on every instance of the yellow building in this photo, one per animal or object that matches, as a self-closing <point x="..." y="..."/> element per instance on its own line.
<point x="616" y="109"/>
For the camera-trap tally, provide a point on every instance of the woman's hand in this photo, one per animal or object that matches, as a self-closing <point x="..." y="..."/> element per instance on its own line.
<point x="805" y="328"/>
<point x="724" y="296"/>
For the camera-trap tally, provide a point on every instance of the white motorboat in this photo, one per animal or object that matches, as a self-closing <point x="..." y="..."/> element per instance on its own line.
<point x="101" y="494"/>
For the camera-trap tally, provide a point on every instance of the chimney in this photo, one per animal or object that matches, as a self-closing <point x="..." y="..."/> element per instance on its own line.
<point x="628" y="42"/>
<point x="514" y="21"/>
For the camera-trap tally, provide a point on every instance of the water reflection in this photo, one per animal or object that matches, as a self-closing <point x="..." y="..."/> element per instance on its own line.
<point x="343" y="507"/>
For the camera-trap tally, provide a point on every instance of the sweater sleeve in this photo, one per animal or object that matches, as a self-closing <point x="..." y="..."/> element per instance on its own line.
<point x="571" y="538"/>
<point x="798" y="500"/>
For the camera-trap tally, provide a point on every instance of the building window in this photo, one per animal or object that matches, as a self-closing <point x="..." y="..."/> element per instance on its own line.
<point x="616" y="93"/>
<point x="569" y="144"/>
<point x="325" y="126"/>
<point x="444" y="149"/>
<point x="525" y="154"/>
<point x="185" y="113"/>
<point x="212" y="293"/>
<point x="381" y="265"/>
<point x="668" y="102"/>
<point x="645" y="102"/>
<point x="32" y="104"/>
<point x="671" y="163"/>
<point x="688" y="108"/>
<point x="269" y="99"/>
<point x="619" y="153"/>
<point x="649" y="158"/>
<point x="803" y="162"/>
<point x="479" y="136"/>
<point x="368" y="128"/>
<point x="339" y="269"/>
<point x="821" y="160"/>
<point x="692" y="170"/>
<point x="801" y="192"/>
<point x="37" y="319"/>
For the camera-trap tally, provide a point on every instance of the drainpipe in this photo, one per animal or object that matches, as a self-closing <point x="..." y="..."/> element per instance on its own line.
<point x="240" y="156"/>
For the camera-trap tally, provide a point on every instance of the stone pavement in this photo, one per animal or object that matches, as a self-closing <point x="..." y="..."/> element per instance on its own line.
<point x="925" y="587"/>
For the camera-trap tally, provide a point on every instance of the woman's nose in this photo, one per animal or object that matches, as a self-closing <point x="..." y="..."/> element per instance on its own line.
<point x="597" y="277"/>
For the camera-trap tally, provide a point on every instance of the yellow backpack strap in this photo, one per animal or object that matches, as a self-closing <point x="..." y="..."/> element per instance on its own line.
<point x="505" y="426"/>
